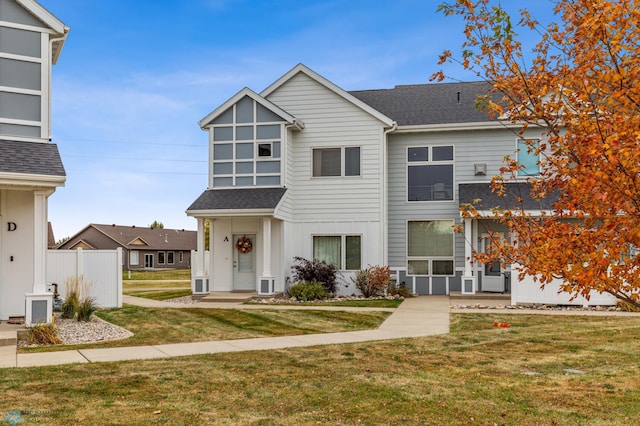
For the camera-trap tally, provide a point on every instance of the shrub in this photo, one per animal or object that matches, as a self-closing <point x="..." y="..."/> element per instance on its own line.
<point x="78" y="302"/>
<point x="306" y="291"/>
<point x="373" y="281"/>
<point x="86" y="307"/>
<point x="70" y="304"/>
<point x="44" y="334"/>
<point x="400" y="290"/>
<point x="320" y="271"/>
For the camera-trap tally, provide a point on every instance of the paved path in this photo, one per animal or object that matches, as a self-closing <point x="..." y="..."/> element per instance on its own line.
<point x="416" y="317"/>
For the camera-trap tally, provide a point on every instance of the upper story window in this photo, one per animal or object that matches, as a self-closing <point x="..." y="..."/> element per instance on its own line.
<point x="430" y="173"/>
<point x="528" y="157"/>
<point x="342" y="161"/>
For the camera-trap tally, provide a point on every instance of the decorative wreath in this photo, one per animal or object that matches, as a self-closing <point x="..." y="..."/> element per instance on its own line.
<point x="244" y="245"/>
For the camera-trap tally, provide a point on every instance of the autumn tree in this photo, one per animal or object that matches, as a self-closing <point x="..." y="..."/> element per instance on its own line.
<point x="580" y="85"/>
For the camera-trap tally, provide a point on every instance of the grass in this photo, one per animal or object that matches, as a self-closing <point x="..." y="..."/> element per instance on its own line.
<point x="159" y="294"/>
<point x="156" y="275"/>
<point x="472" y="376"/>
<point x="156" y="326"/>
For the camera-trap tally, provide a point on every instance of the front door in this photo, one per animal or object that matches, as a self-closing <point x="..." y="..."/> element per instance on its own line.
<point x="493" y="279"/>
<point x="148" y="261"/>
<point x="244" y="262"/>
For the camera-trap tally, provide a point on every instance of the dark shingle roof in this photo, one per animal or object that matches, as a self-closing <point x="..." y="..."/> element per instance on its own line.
<point x="468" y="192"/>
<point x="238" y="199"/>
<point x="421" y="104"/>
<point x="30" y="158"/>
<point x="155" y="238"/>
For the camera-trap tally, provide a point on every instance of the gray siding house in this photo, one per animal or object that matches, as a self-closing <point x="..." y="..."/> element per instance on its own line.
<point x="372" y="177"/>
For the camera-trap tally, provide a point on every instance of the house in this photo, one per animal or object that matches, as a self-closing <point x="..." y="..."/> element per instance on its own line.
<point x="31" y="40"/>
<point x="374" y="177"/>
<point x="142" y="247"/>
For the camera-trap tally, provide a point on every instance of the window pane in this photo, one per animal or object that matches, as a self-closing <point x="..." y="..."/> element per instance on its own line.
<point x="170" y="257"/>
<point x="418" y="267"/>
<point x="430" y="238"/>
<point x="264" y="150"/>
<point x="353" y="248"/>
<point x="443" y="267"/>
<point x="326" y="162"/>
<point x="134" y="257"/>
<point x="418" y="154"/>
<point x="161" y="257"/>
<point x="328" y="249"/>
<point x="352" y="161"/>
<point x="442" y="153"/>
<point x="529" y="160"/>
<point x="430" y="182"/>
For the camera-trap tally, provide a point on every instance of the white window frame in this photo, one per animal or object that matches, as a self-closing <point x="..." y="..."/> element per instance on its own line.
<point x="431" y="162"/>
<point x="342" y="161"/>
<point x="180" y="256"/>
<point x="343" y="248"/>
<point x="171" y="258"/>
<point x="430" y="259"/>
<point x="134" y="254"/>
<point x="162" y="257"/>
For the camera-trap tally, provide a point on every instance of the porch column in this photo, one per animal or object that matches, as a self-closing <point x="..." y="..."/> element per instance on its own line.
<point x="199" y="281"/>
<point x="469" y="280"/>
<point x="200" y="247"/>
<point x="266" y="284"/>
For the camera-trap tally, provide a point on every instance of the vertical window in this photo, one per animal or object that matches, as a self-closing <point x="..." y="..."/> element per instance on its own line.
<point x="161" y="257"/>
<point x="430" y="173"/>
<point x="134" y="257"/>
<point x="528" y="157"/>
<point x="170" y="258"/>
<point x="430" y="247"/>
<point x="343" y="251"/>
<point x="180" y="257"/>
<point x="328" y="162"/>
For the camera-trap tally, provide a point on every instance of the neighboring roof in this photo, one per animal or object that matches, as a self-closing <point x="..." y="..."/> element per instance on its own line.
<point x="34" y="158"/>
<point x="468" y="192"/>
<point x="238" y="199"/>
<point x="262" y="101"/>
<point x="300" y="68"/>
<point x="156" y="238"/>
<point x="423" y="104"/>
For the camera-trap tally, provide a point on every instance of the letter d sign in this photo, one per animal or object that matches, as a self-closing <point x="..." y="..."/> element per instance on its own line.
<point x="11" y="226"/>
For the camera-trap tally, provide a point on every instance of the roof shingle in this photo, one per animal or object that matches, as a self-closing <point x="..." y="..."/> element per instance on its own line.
<point x="37" y="158"/>
<point x="238" y="199"/>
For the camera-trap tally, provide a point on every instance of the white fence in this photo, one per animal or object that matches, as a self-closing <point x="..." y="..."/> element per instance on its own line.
<point x="101" y="268"/>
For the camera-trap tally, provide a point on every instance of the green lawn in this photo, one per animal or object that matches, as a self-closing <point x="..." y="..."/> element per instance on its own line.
<point x="156" y="275"/>
<point x="473" y="376"/>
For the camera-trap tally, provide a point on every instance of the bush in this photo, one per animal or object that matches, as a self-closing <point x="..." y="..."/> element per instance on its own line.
<point x="400" y="290"/>
<point x="70" y="304"/>
<point x="86" y="307"/>
<point x="320" y="271"/>
<point x="373" y="281"/>
<point x="78" y="302"/>
<point x="44" y="334"/>
<point x="306" y="291"/>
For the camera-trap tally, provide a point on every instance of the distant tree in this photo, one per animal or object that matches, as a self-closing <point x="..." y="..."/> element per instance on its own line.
<point x="156" y="225"/>
<point x="62" y="241"/>
<point x="580" y="85"/>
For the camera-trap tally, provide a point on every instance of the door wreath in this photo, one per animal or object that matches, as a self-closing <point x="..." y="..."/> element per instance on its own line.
<point x="244" y="245"/>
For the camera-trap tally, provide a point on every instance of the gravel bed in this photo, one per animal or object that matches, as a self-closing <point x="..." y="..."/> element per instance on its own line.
<point x="73" y="332"/>
<point x="537" y="307"/>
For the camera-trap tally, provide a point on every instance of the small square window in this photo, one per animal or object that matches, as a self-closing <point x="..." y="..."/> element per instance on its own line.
<point x="264" y="150"/>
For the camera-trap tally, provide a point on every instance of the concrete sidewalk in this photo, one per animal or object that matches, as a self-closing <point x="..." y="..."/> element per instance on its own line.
<point x="416" y="317"/>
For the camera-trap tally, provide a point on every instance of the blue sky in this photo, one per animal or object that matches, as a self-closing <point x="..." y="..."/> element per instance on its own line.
<point x="135" y="77"/>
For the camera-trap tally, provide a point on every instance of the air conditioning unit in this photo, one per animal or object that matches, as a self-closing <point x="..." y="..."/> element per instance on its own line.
<point x="480" y="169"/>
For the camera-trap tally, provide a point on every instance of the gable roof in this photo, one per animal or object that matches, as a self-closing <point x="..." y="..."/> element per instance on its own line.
<point x="58" y="28"/>
<point x="290" y="119"/>
<point x="156" y="238"/>
<point x="425" y="104"/>
<point x="468" y="192"/>
<point x="300" y="68"/>
<point x="238" y="199"/>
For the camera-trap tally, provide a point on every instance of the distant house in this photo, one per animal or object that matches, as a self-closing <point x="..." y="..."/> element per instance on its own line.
<point x="142" y="247"/>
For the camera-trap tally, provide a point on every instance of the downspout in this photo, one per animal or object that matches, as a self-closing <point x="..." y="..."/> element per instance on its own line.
<point x="385" y="197"/>
<point x="53" y="60"/>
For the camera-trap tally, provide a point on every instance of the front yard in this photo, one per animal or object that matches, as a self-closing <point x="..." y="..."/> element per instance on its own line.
<point x="543" y="370"/>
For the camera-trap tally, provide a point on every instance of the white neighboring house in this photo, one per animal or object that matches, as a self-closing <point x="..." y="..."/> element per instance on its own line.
<point x="373" y="177"/>
<point x="31" y="40"/>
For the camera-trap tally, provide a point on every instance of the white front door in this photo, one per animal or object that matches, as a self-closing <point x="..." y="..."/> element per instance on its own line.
<point x="492" y="279"/>
<point x="244" y="262"/>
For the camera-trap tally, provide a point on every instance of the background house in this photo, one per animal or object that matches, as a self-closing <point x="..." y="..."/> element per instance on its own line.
<point x="31" y="40"/>
<point x="142" y="247"/>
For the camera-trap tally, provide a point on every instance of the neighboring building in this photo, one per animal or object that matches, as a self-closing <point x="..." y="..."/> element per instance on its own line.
<point x="358" y="178"/>
<point x="31" y="40"/>
<point x="142" y="247"/>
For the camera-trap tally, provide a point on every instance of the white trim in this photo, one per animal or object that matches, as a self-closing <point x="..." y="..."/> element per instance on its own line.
<point x="31" y="179"/>
<point x="22" y="91"/>
<point x="300" y="68"/>
<point x="230" y="213"/>
<point x="43" y="14"/>
<point x="25" y="27"/>
<point x="13" y="56"/>
<point x="430" y="258"/>
<point x="480" y="125"/>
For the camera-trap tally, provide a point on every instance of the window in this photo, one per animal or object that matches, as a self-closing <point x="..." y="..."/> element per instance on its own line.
<point x="161" y="258"/>
<point x="180" y="257"/>
<point x="430" y="247"/>
<point x="344" y="251"/>
<point x="430" y="173"/>
<point x="170" y="258"/>
<point x="343" y="161"/>
<point x="264" y="150"/>
<point x="134" y="257"/>
<point x="528" y="157"/>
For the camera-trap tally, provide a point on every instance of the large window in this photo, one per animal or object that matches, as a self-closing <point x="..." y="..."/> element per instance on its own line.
<point x="344" y="251"/>
<point x="430" y="173"/>
<point x="344" y="161"/>
<point x="528" y="157"/>
<point x="134" y="257"/>
<point x="430" y="247"/>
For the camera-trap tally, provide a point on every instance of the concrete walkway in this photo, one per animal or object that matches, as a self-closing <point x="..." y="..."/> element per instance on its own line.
<point x="416" y="317"/>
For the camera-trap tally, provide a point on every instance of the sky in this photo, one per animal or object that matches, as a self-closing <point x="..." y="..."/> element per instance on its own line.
<point x="136" y="76"/>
